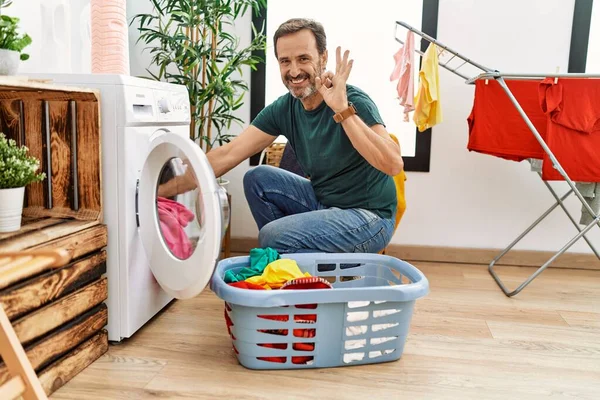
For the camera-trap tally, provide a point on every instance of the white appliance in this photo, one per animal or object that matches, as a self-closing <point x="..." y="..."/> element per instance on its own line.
<point x="145" y="139"/>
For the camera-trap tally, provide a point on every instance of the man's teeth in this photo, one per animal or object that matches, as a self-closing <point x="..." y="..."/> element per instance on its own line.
<point x="297" y="80"/>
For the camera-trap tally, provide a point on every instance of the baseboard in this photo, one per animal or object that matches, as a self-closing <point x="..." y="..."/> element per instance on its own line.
<point x="521" y="258"/>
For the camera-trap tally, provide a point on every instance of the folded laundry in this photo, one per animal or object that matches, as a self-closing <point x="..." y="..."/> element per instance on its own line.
<point x="259" y="259"/>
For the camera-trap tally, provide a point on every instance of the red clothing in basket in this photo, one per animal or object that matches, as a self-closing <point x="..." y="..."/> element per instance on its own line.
<point x="303" y="283"/>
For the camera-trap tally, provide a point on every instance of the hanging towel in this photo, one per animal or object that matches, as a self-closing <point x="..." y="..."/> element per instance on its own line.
<point x="428" y="111"/>
<point x="173" y="218"/>
<point x="404" y="72"/>
<point x="259" y="259"/>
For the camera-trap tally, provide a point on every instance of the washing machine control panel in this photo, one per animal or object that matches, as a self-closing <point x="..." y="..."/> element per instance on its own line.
<point x="145" y="105"/>
<point x="172" y="106"/>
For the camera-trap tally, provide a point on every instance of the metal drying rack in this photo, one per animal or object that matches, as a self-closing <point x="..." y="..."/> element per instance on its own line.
<point x="488" y="73"/>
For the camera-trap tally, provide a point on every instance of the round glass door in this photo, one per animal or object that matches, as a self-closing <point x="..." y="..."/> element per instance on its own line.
<point x="181" y="219"/>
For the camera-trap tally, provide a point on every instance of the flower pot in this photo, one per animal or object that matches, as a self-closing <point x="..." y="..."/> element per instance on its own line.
<point x="11" y="208"/>
<point x="9" y="62"/>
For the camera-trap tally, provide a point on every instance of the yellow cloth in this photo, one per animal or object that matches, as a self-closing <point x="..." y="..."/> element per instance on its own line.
<point x="277" y="273"/>
<point x="428" y="111"/>
<point x="400" y="191"/>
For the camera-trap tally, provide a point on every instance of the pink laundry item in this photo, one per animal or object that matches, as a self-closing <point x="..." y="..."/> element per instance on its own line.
<point x="173" y="217"/>
<point x="404" y="72"/>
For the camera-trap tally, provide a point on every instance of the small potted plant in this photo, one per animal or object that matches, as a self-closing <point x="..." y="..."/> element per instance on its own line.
<point x="11" y="45"/>
<point x="17" y="170"/>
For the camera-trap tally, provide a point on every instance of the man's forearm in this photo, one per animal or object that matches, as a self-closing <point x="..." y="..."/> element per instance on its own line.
<point x="379" y="151"/>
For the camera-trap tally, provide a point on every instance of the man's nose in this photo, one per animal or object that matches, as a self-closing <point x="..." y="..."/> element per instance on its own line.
<point x="294" y="70"/>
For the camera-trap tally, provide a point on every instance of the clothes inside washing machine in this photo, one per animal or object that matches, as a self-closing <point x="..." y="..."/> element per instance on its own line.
<point x="180" y="216"/>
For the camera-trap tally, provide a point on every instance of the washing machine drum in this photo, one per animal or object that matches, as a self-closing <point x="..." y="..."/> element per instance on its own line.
<point x="182" y="214"/>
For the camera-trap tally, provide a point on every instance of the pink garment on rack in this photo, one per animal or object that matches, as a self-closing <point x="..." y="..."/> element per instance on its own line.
<point x="173" y="217"/>
<point x="572" y="107"/>
<point x="404" y="71"/>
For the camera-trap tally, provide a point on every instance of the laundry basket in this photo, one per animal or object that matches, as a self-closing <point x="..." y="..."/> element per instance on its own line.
<point x="363" y="319"/>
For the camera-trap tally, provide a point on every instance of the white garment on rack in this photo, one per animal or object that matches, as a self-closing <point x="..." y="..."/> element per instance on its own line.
<point x="591" y="193"/>
<point x="536" y="164"/>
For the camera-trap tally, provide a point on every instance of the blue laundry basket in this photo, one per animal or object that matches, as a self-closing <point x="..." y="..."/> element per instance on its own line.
<point x="363" y="319"/>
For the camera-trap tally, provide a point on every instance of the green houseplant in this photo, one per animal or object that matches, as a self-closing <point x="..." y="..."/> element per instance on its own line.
<point x="11" y="42"/>
<point x="17" y="170"/>
<point x="190" y="45"/>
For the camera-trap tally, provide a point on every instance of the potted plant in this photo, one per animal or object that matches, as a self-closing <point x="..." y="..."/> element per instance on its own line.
<point x="11" y="43"/>
<point x="17" y="170"/>
<point x="191" y="46"/>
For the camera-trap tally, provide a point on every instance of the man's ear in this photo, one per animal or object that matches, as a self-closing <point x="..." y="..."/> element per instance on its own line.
<point x="324" y="60"/>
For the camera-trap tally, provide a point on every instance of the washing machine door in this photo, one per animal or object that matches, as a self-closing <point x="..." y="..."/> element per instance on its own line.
<point x="181" y="214"/>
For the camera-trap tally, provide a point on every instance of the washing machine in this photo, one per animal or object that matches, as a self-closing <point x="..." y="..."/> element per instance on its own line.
<point x="159" y="248"/>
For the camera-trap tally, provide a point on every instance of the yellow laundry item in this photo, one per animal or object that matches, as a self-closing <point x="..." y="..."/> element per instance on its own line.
<point x="277" y="273"/>
<point x="428" y="110"/>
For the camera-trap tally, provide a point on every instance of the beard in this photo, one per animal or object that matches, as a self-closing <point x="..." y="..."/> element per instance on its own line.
<point x="309" y="90"/>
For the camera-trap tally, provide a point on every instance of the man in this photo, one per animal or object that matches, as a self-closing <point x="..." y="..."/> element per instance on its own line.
<point x="348" y="201"/>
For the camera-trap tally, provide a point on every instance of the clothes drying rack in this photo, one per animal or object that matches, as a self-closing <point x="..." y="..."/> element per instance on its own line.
<point x="484" y="72"/>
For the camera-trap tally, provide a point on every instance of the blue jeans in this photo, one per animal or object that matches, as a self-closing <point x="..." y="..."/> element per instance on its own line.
<point x="290" y="219"/>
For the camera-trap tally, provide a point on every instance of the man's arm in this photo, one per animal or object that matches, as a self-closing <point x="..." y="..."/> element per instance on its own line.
<point x="374" y="144"/>
<point x="222" y="159"/>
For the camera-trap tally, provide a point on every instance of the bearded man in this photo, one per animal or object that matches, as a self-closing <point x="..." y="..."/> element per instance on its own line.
<point x="347" y="203"/>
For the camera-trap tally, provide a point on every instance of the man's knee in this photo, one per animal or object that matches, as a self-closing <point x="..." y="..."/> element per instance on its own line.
<point x="279" y="235"/>
<point x="255" y="175"/>
<point x="270" y="236"/>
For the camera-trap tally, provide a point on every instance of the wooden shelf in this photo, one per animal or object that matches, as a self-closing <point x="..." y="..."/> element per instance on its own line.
<point x="57" y="312"/>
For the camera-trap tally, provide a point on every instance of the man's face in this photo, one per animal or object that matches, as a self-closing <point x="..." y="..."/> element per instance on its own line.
<point x="299" y="62"/>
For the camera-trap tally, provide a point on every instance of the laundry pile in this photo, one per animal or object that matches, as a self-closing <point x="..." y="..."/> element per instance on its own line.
<point x="426" y="104"/>
<point x="268" y="271"/>
<point x="173" y="218"/>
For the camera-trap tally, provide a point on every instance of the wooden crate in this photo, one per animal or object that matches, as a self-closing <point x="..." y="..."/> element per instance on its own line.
<point x="58" y="314"/>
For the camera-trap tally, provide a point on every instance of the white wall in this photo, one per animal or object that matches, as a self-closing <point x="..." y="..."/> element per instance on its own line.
<point x="468" y="199"/>
<point x="59" y="29"/>
<point x="593" y="55"/>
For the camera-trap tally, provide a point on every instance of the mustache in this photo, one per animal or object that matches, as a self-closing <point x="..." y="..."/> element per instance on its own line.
<point x="301" y="76"/>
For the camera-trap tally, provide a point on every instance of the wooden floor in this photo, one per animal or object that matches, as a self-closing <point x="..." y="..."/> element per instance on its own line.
<point x="467" y="341"/>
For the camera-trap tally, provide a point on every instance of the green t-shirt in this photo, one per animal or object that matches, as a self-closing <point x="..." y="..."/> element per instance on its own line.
<point x="340" y="176"/>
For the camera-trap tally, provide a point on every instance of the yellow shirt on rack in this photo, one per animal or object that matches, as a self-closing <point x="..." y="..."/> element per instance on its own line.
<point x="428" y="111"/>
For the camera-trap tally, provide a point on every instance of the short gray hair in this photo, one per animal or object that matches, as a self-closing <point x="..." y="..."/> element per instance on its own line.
<point x="297" y="24"/>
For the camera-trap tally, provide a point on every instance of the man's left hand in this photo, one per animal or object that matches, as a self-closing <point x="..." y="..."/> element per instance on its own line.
<point x="335" y="93"/>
